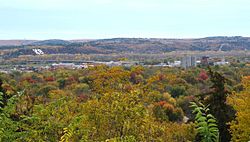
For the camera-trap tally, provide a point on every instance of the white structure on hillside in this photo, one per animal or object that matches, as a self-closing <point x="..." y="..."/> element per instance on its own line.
<point x="38" y="51"/>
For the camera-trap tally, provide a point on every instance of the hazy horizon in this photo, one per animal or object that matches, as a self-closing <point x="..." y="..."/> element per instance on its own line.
<point x="101" y="19"/>
<point x="121" y="37"/>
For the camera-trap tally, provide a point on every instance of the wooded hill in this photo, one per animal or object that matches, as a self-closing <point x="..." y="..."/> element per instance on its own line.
<point x="126" y="45"/>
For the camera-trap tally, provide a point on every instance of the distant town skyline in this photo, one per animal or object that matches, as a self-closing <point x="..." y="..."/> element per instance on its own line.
<point x="99" y="19"/>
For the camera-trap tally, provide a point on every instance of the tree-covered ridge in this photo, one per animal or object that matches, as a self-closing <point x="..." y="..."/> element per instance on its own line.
<point x="118" y="104"/>
<point x="128" y="45"/>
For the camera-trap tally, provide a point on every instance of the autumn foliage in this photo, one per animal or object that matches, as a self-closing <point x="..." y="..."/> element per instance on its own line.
<point x="136" y="103"/>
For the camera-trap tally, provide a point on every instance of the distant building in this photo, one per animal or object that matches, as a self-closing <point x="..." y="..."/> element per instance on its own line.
<point x="204" y="60"/>
<point x="63" y="65"/>
<point x="222" y="62"/>
<point x="160" y="65"/>
<point x="188" y="61"/>
<point x="174" y="64"/>
<point x="193" y="61"/>
<point x="112" y="63"/>
<point x="69" y="66"/>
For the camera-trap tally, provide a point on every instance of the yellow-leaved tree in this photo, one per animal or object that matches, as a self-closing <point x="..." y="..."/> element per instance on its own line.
<point x="240" y="127"/>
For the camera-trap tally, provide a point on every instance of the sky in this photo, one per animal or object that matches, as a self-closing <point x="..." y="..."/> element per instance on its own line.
<point x="98" y="19"/>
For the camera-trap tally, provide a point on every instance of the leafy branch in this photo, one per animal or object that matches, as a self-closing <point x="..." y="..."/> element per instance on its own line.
<point x="206" y="123"/>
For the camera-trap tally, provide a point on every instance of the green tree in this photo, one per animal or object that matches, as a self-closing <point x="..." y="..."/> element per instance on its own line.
<point x="206" y="123"/>
<point x="216" y="99"/>
<point x="9" y="124"/>
<point x="177" y="91"/>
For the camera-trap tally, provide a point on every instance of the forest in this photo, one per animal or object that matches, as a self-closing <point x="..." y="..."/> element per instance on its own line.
<point x="126" y="104"/>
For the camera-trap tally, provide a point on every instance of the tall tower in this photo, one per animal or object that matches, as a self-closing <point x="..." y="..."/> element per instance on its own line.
<point x="188" y="61"/>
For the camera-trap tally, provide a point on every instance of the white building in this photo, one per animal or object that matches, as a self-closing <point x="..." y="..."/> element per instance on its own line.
<point x="175" y="64"/>
<point x="221" y="63"/>
<point x="69" y="66"/>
